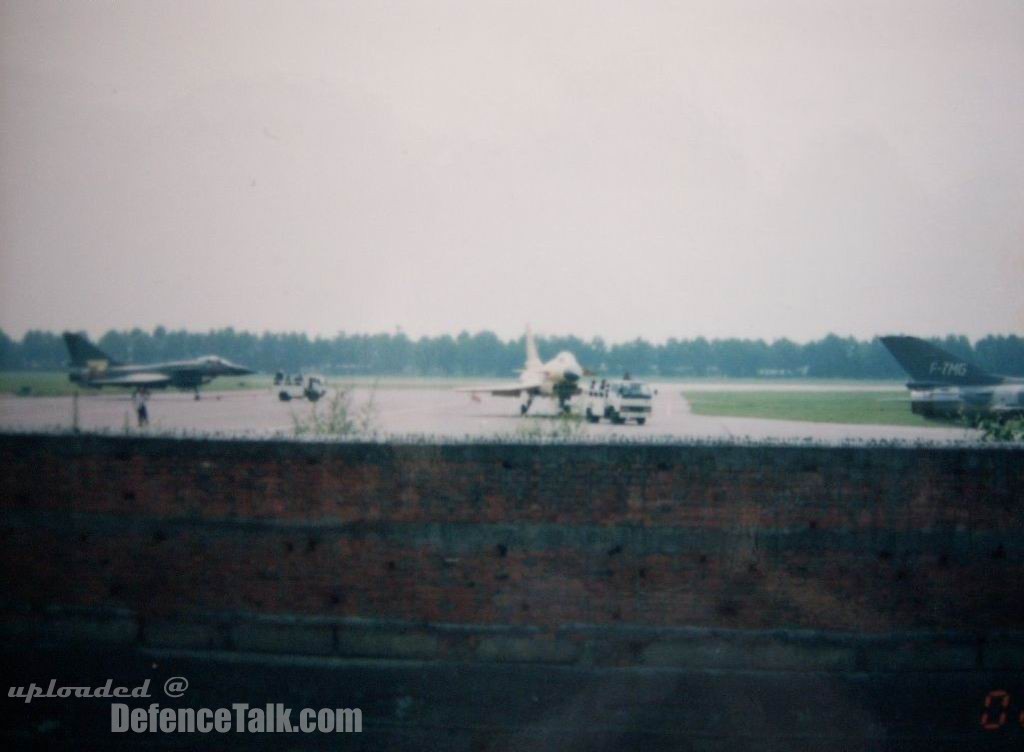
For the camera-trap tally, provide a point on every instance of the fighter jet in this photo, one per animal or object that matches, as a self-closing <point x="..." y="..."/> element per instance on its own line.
<point x="92" y="367"/>
<point x="557" y="379"/>
<point x="944" y="385"/>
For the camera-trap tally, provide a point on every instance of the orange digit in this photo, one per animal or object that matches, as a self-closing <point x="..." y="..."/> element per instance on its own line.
<point x="996" y="694"/>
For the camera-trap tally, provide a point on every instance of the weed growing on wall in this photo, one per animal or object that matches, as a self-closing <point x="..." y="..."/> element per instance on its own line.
<point x="338" y="416"/>
<point x="565" y="427"/>
<point x="995" y="429"/>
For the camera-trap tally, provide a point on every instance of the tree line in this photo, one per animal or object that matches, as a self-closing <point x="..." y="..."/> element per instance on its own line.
<point x="485" y="354"/>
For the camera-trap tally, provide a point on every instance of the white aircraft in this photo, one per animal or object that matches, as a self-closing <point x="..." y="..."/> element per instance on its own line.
<point x="558" y="378"/>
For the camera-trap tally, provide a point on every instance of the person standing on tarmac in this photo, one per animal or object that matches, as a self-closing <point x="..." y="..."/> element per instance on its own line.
<point x="141" y="412"/>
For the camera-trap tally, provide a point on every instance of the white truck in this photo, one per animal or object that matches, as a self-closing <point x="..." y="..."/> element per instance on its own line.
<point x="618" y="401"/>
<point x="311" y="388"/>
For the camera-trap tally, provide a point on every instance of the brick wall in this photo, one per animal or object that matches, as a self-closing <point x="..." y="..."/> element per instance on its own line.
<point x="865" y="539"/>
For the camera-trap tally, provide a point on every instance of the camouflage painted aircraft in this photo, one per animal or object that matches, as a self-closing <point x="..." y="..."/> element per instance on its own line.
<point x="944" y="385"/>
<point x="92" y="367"/>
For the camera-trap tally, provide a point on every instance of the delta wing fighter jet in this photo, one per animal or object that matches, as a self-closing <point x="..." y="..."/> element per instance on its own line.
<point x="944" y="385"/>
<point x="92" y="367"/>
<point x="558" y="379"/>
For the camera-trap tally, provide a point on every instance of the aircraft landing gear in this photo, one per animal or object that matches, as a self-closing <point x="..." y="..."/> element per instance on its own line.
<point x="525" y="406"/>
<point x="563" y="405"/>
<point x="197" y="393"/>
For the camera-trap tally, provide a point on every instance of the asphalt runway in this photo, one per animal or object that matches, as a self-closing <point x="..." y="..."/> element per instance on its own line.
<point x="424" y="411"/>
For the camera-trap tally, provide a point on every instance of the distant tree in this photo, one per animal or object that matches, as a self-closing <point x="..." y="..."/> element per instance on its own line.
<point x="831" y="357"/>
<point x="41" y="350"/>
<point x="485" y="354"/>
<point x="8" y="352"/>
<point x="1003" y="355"/>
<point x="785" y="356"/>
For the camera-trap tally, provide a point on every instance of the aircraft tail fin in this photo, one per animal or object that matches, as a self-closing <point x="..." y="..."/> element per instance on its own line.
<point x="929" y="365"/>
<point x="83" y="352"/>
<point x="532" y="356"/>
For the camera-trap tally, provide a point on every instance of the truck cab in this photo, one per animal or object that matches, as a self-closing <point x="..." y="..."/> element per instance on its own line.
<point x="617" y="400"/>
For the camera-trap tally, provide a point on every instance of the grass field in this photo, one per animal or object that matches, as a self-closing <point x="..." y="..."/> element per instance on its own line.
<point x="880" y="408"/>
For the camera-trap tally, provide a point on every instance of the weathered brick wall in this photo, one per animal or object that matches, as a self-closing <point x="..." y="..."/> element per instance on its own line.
<point x="864" y="539"/>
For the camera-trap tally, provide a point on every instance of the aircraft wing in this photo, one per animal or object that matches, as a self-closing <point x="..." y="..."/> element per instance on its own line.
<point x="504" y="390"/>
<point x="132" y="379"/>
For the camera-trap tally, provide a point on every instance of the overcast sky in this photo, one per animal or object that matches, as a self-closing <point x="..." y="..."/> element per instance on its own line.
<point x="617" y="169"/>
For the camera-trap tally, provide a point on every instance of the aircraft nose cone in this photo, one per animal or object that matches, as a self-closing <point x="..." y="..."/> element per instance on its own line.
<point x="572" y="375"/>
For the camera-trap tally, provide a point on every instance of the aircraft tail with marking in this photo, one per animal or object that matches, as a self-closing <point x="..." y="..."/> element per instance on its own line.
<point x="84" y="353"/>
<point x="930" y="366"/>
